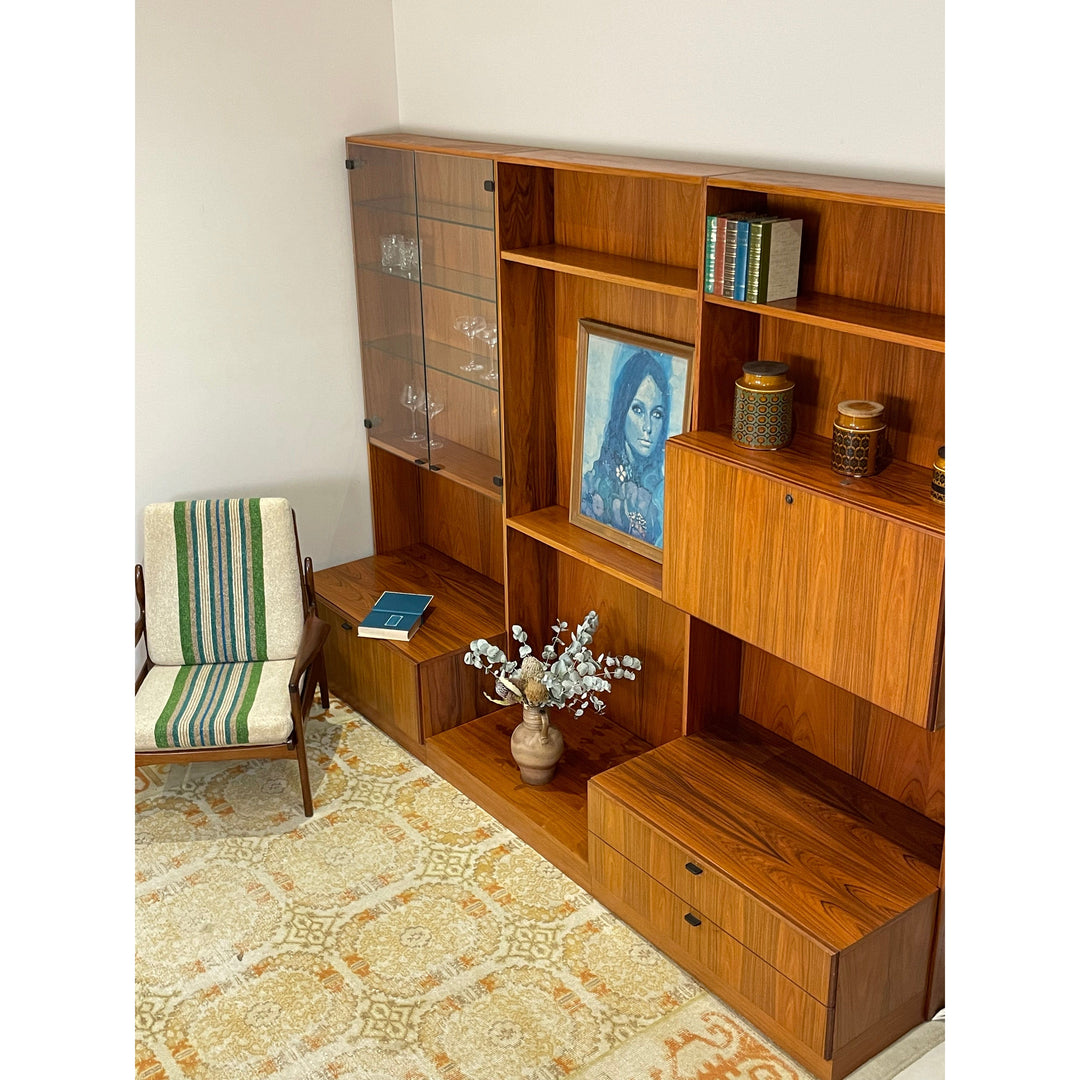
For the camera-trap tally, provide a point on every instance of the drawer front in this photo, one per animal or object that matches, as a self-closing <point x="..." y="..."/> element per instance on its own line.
<point x="734" y="967"/>
<point x="783" y="946"/>
<point x="377" y="680"/>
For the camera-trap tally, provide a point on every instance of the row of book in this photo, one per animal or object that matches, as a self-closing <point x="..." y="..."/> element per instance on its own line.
<point x="752" y="257"/>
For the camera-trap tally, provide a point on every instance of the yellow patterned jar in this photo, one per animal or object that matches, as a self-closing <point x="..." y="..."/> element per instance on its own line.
<point x="937" y="477"/>
<point x="763" y="406"/>
<point x="858" y="435"/>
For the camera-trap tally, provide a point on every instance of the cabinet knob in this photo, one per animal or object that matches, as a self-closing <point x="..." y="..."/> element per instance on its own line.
<point x="789" y="498"/>
<point x="692" y="919"/>
<point x="489" y="185"/>
<point x="345" y="626"/>
<point x="693" y="868"/>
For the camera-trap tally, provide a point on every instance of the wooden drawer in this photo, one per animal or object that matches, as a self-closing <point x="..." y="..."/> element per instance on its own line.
<point x="719" y="958"/>
<point x="796" y="954"/>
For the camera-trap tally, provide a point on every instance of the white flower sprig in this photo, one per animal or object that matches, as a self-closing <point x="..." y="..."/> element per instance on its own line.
<point x="564" y="675"/>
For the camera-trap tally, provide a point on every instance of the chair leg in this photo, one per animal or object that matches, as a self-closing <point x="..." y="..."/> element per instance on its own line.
<point x="323" y="685"/>
<point x="301" y="761"/>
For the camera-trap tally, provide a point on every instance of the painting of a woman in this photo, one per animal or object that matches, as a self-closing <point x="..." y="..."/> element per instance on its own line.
<point x="633" y="397"/>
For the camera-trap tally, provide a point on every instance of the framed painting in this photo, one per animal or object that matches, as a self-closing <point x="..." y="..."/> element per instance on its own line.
<point x="633" y="393"/>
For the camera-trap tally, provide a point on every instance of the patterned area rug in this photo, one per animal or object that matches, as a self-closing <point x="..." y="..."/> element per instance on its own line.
<point x="399" y="934"/>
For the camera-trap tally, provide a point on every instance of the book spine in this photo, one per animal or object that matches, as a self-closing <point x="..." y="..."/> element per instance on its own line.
<point x="780" y="280"/>
<point x="710" y="252"/>
<point x="742" y="243"/>
<point x="753" y="259"/>
<point x="731" y="231"/>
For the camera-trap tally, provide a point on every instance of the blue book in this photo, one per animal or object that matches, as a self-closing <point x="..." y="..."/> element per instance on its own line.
<point x="742" y="245"/>
<point x="395" y="615"/>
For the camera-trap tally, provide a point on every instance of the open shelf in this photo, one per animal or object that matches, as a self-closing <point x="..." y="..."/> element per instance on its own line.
<point x="551" y="526"/>
<point x="552" y="818"/>
<point x="616" y="269"/>
<point x="466" y="604"/>
<point x="915" y="328"/>
<point x="901" y="490"/>
<point x="468" y="467"/>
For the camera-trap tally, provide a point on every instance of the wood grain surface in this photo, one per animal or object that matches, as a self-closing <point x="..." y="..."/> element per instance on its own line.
<point x="552" y="818"/>
<point x="831" y="855"/>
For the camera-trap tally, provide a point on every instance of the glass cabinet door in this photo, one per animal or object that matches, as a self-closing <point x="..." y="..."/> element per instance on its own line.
<point x="424" y="237"/>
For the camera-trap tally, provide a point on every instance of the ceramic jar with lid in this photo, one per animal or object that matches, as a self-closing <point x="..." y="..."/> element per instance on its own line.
<point x="764" y="396"/>
<point x="858" y="437"/>
<point x="937" y="477"/>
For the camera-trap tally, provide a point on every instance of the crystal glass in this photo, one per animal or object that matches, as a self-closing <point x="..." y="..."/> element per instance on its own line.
<point x="412" y="399"/>
<point x="490" y="337"/>
<point x="432" y="407"/>
<point x="470" y="326"/>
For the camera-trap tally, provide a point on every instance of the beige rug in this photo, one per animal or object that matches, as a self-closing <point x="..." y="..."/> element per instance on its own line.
<point x="399" y="934"/>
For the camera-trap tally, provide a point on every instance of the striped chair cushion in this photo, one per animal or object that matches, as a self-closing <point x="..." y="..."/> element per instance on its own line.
<point x="222" y="582"/>
<point x="214" y="705"/>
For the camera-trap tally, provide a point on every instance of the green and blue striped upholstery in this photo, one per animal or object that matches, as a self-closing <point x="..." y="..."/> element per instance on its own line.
<point x="213" y="705"/>
<point x="224" y="615"/>
<point x="222" y="582"/>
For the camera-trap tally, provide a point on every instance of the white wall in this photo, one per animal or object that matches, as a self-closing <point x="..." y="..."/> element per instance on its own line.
<point x="247" y="363"/>
<point x="854" y="87"/>
<point x="247" y="357"/>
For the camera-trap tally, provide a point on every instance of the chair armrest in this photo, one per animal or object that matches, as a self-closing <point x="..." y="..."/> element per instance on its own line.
<point x="312" y="639"/>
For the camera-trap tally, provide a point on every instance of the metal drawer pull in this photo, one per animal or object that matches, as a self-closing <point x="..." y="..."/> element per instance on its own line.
<point x="694" y="869"/>
<point x="693" y="920"/>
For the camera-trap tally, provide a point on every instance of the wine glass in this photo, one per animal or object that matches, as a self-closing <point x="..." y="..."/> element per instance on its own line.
<point x="470" y="326"/>
<point x="412" y="399"/>
<point x="432" y="407"/>
<point x="490" y="336"/>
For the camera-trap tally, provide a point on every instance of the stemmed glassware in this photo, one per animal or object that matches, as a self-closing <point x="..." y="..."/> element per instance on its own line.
<point x="470" y="326"/>
<point x="490" y="336"/>
<point x="413" y="399"/>
<point x="432" y="408"/>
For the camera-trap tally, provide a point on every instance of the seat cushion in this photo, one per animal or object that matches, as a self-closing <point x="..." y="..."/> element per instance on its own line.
<point x="214" y="705"/>
<point x="222" y="581"/>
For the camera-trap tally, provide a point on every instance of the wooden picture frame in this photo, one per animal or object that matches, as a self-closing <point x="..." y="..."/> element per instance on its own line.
<point x="617" y="468"/>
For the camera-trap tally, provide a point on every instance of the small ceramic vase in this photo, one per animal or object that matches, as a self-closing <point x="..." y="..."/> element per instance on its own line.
<point x="858" y="438"/>
<point x="937" y="477"/>
<point x="536" y="746"/>
<point x="762" y="419"/>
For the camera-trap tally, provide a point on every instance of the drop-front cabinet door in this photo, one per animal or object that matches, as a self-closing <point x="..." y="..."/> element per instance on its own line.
<point x="849" y="595"/>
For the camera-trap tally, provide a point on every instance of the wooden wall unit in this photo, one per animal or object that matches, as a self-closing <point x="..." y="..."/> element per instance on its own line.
<point x="766" y="801"/>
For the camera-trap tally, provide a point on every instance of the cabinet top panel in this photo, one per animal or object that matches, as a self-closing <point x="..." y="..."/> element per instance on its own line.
<point x="835" y="188"/>
<point x="583" y="161"/>
<point x="401" y="140"/>
<point x="824" y="850"/>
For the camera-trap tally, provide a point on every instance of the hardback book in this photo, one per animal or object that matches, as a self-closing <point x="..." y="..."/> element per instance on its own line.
<point x="711" y="223"/>
<point x="742" y="247"/>
<point x="395" y="615"/>
<point x="731" y="224"/>
<point x="778" y="272"/>
<point x="753" y="258"/>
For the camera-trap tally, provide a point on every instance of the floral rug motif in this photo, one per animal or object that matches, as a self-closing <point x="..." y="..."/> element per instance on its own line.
<point x="399" y="934"/>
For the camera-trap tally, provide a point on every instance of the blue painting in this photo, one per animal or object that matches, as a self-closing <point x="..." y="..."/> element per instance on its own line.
<point x="633" y="394"/>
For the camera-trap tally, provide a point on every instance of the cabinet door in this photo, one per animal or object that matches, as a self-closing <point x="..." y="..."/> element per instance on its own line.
<point x="456" y="221"/>
<point x="848" y="595"/>
<point x="387" y="255"/>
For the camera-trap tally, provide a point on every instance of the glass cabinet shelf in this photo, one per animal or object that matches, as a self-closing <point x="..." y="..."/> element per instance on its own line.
<point x="445" y="358"/>
<point x="442" y="277"/>
<point x="469" y="216"/>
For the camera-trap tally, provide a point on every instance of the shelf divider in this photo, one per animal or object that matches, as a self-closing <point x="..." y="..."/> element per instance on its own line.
<point x="916" y="328"/>
<point x="551" y="526"/>
<point x="617" y="269"/>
